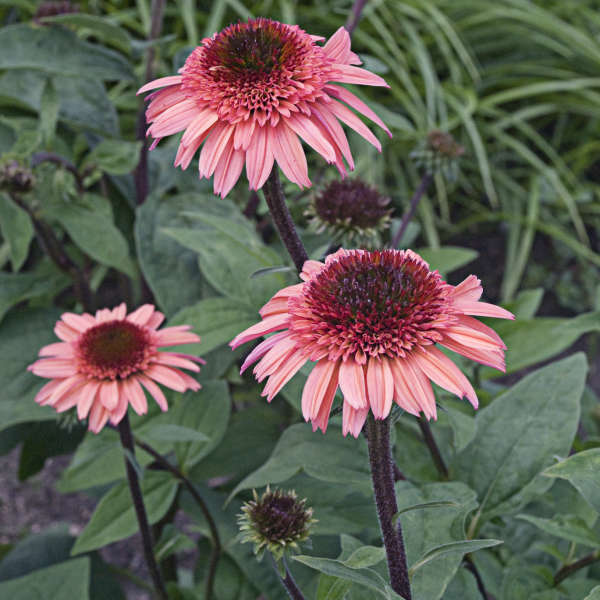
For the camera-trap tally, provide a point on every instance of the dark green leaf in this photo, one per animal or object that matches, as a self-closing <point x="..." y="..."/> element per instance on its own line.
<point x="63" y="581"/>
<point x="517" y="435"/>
<point x="175" y="433"/>
<point x="581" y="470"/>
<point x="55" y="50"/>
<point x="567" y="527"/>
<point x="22" y="334"/>
<point x="216" y="320"/>
<point x="114" y="518"/>
<point x="16" y="229"/>
<point x="447" y="258"/>
<point x="117" y="157"/>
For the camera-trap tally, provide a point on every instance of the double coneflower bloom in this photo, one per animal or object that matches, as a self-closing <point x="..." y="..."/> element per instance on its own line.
<point x="103" y="363"/>
<point x="372" y="323"/>
<point x="251" y="92"/>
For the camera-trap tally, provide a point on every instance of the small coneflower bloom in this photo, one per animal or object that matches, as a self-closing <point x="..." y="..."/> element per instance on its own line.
<point x="372" y="322"/>
<point x="351" y="212"/>
<point x="251" y="92"/>
<point x="104" y="362"/>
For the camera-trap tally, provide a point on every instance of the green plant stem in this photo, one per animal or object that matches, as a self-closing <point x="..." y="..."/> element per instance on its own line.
<point x="480" y="585"/>
<point x="53" y="247"/>
<point x="568" y="570"/>
<point x="140" y="510"/>
<point x="141" y="171"/>
<point x="436" y="455"/>
<point x="288" y="581"/>
<point x="410" y="213"/>
<point x="380" y="458"/>
<point x="283" y="220"/>
<point x="214" y="532"/>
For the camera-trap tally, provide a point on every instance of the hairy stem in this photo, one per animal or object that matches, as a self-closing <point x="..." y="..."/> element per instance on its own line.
<point x="140" y="510"/>
<point x="480" y="585"/>
<point x="436" y="455"/>
<point x="141" y="171"/>
<point x="288" y="581"/>
<point x="354" y="16"/>
<point x="283" y="220"/>
<point x="216" y="540"/>
<point x="568" y="570"/>
<point x="382" y="474"/>
<point x="53" y="247"/>
<point x="410" y="213"/>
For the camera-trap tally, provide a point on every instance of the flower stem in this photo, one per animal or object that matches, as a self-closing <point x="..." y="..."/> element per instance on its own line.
<point x="216" y="540"/>
<point x="354" y="16"/>
<point x="436" y="455"/>
<point x="382" y="474"/>
<point x="141" y="171"/>
<point x="410" y="213"/>
<point x="55" y="250"/>
<point x="288" y="581"/>
<point x="571" y="568"/>
<point x="283" y="220"/>
<point x="140" y="510"/>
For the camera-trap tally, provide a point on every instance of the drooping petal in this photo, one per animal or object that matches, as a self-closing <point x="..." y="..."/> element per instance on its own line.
<point x="320" y="384"/>
<point x="161" y="82"/>
<point x="352" y="384"/>
<point x="380" y="387"/>
<point x="265" y="326"/>
<point x="353" y="420"/>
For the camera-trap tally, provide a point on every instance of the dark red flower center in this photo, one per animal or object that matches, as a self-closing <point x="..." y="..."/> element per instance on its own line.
<point x="372" y="303"/>
<point x="353" y="202"/>
<point x="114" y="349"/>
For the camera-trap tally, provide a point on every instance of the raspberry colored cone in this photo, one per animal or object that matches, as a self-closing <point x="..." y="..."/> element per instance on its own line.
<point x="372" y="322"/>
<point x="104" y="363"/>
<point x="251" y="92"/>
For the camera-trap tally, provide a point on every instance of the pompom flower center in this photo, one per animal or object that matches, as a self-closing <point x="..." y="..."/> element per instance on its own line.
<point x="353" y="202"/>
<point x="279" y="517"/>
<point x="114" y="349"/>
<point x="255" y="69"/>
<point x="371" y="303"/>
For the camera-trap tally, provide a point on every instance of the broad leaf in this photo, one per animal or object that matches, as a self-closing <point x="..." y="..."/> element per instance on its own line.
<point x="114" y="518"/>
<point x="16" y="229"/>
<point x="63" y="581"/>
<point x="567" y="527"/>
<point x="447" y="258"/>
<point x="581" y="470"/>
<point x="520" y="432"/>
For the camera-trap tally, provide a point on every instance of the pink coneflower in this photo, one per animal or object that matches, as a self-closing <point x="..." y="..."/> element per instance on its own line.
<point x="249" y="93"/>
<point x="104" y="362"/>
<point x="371" y="322"/>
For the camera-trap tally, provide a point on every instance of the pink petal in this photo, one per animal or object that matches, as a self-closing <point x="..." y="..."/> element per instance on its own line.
<point x="348" y="74"/>
<point x="469" y="289"/>
<point x="168" y="377"/>
<point x="321" y="418"/>
<point x="215" y="146"/>
<point x="135" y="395"/>
<point x="46" y="391"/>
<point x="173" y="336"/>
<point x="440" y="369"/>
<point x="119" y="412"/>
<point x="262" y="349"/>
<point x="98" y="417"/>
<point x="154" y="390"/>
<point x="344" y="114"/>
<point x="78" y="322"/>
<point x="142" y="315"/>
<point x="174" y="360"/>
<point x="243" y="134"/>
<point x="356" y="103"/>
<point x="274" y="357"/>
<point x="283" y="374"/>
<point x="161" y="82"/>
<point x="310" y="133"/>
<point x="265" y="326"/>
<point x="336" y="133"/>
<point x="310" y="269"/>
<point x="174" y="119"/>
<point x="53" y="367"/>
<point x="119" y="312"/>
<point x="67" y="386"/>
<point x="58" y="350"/>
<point x="380" y="386"/>
<point x="353" y="420"/>
<point x="338" y="48"/>
<point x="259" y="159"/>
<point x="491" y="358"/>
<point x="483" y="309"/>
<point x="479" y="326"/>
<point x="87" y="395"/>
<point x="403" y="394"/>
<point x="423" y="392"/>
<point x="155" y="320"/>
<point x="65" y="333"/>
<point x="289" y="154"/>
<point x="352" y="384"/>
<point x="228" y="170"/>
<point x="109" y="394"/>
<point x="320" y="384"/>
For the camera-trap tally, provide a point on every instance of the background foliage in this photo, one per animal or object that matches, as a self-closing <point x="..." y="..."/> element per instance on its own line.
<point x="515" y="82"/>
